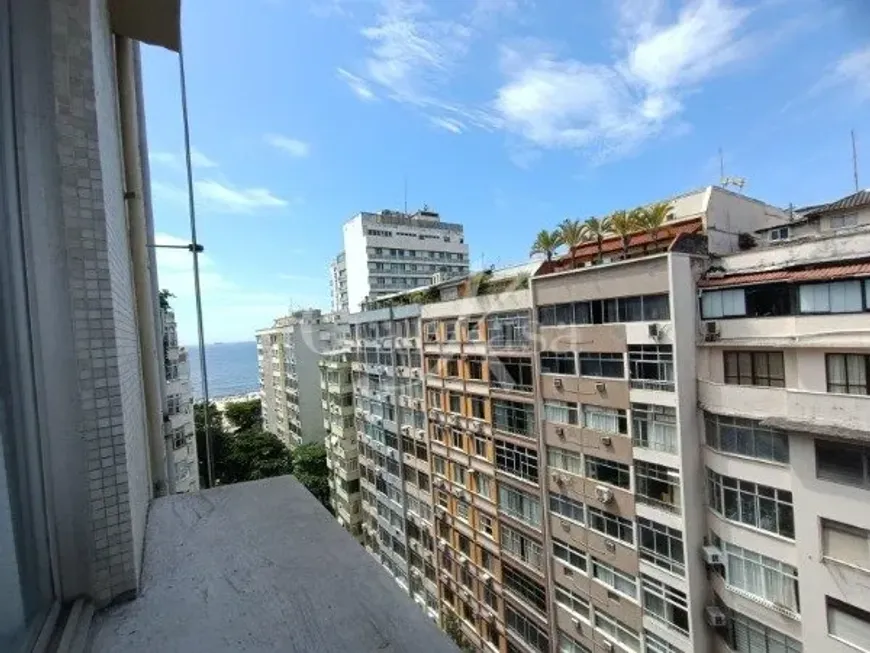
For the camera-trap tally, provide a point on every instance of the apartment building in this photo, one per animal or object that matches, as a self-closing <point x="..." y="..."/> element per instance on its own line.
<point x="840" y="216"/>
<point x="342" y="459"/>
<point x="338" y="284"/>
<point x="783" y="365"/>
<point x="485" y="460"/>
<point x="179" y="425"/>
<point x="288" y="356"/>
<point x="398" y="527"/>
<point x="391" y="251"/>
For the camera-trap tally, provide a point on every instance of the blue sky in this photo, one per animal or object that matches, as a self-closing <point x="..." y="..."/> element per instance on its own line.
<point x="505" y="115"/>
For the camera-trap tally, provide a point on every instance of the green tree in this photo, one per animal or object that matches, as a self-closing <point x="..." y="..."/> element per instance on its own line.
<point x="623" y="224"/>
<point x="253" y="455"/>
<point x="309" y="467"/>
<point x="244" y="415"/>
<point x="218" y="436"/>
<point x="451" y="626"/>
<point x="546" y="242"/>
<point x="596" y="229"/>
<point x="571" y="234"/>
<point x="652" y="218"/>
<point x="164" y="299"/>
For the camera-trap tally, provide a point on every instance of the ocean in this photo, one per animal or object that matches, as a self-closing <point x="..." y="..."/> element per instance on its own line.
<point x="232" y="369"/>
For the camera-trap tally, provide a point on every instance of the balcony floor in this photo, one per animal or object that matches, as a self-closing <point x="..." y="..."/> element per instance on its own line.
<point x="260" y="567"/>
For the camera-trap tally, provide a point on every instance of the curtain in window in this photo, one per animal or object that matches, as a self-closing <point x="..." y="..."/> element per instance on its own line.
<point x="600" y="420"/>
<point x="780" y="588"/>
<point x="856" y="371"/>
<point x="837" y="373"/>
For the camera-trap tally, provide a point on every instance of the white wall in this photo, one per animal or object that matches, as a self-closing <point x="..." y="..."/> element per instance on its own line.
<point x="356" y="262"/>
<point x="730" y="214"/>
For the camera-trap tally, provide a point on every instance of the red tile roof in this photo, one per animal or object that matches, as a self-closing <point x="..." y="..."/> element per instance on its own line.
<point x="614" y="243"/>
<point x="828" y="273"/>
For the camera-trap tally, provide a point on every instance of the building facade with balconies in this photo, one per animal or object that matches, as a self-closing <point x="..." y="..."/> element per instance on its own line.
<point x="288" y="355"/>
<point x="398" y="527"/>
<point x="342" y="459"/>
<point x="179" y="424"/>
<point x="783" y="368"/>
<point x="338" y="283"/>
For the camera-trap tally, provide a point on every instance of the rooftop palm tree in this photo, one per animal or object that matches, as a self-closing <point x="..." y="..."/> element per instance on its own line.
<point x="652" y="218"/>
<point x="546" y="242"/>
<point x="596" y="229"/>
<point x="623" y="224"/>
<point x="571" y="234"/>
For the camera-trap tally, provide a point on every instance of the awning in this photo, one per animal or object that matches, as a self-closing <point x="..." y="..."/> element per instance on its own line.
<point x="157" y="22"/>
<point x="815" y="428"/>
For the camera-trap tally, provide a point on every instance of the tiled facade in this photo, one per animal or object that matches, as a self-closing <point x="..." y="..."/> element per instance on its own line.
<point x="342" y="459"/>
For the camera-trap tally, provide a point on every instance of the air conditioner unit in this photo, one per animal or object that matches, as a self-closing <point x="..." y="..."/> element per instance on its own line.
<point x="416" y="403"/>
<point x="603" y="494"/>
<point x="711" y="331"/>
<point x="474" y="427"/>
<point x="557" y="478"/>
<point x="451" y="420"/>
<point x="560" y="432"/>
<point x="485" y="578"/>
<point x="565" y="524"/>
<point x="600" y="387"/>
<point x="577" y="624"/>
<point x="653" y="330"/>
<point x="557" y="383"/>
<point x="715" y="616"/>
<point x="712" y="555"/>
<point x="416" y="374"/>
<point x="441" y="544"/>
<point x="406" y="428"/>
<point x="610" y="545"/>
<point x="462" y="559"/>
<point x="421" y="433"/>
<point x="433" y="414"/>
<point x="605" y="440"/>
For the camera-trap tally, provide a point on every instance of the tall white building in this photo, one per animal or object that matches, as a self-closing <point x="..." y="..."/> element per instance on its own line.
<point x="288" y="355"/>
<point x="180" y="434"/>
<point x="338" y="283"/>
<point x="390" y="251"/>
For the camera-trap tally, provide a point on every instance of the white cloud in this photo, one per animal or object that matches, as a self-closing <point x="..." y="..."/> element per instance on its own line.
<point x="218" y="197"/>
<point x="853" y="70"/>
<point x="178" y="161"/>
<point x="558" y="102"/>
<point x="451" y="125"/>
<point x="291" y="146"/>
<point x="357" y="84"/>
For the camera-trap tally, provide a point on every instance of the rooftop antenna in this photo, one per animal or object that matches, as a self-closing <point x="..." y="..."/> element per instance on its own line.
<point x="725" y="182"/>
<point x="406" y="195"/>
<point x="855" y="161"/>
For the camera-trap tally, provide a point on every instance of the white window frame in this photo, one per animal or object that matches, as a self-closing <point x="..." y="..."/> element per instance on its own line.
<point x="611" y="577"/>
<point x="565" y="460"/>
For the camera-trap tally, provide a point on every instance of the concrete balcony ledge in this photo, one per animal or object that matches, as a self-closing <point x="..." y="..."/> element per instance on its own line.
<point x="822" y="413"/>
<point x="259" y="567"/>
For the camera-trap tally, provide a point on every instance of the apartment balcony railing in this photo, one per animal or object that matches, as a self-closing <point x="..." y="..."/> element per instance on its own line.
<point x="259" y="567"/>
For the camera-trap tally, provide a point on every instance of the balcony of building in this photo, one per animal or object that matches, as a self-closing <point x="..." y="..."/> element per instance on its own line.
<point x="259" y="567"/>
<point x="793" y="409"/>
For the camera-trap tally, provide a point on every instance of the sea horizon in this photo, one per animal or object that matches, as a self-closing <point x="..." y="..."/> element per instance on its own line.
<point x="231" y="368"/>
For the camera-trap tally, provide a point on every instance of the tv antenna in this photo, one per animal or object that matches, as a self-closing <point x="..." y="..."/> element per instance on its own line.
<point x="725" y="182"/>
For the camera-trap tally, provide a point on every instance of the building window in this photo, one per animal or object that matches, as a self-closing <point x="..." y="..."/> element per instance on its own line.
<point x="617" y="580"/>
<point x="765" y="578"/>
<point x="454" y="401"/>
<point x="439" y="465"/>
<point x="478" y="407"/>
<point x="848" y="624"/>
<point x="558" y="363"/>
<point x="778" y="233"/>
<point x="485" y="524"/>
<point x="834" y="297"/>
<point x="661" y="545"/>
<point x="574" y="558"/>
<point x="654" y="427"/>
<point x="657" y="485"/>
<point x="450" y="331"/>
<point x="848" y="373"/>
<point x="606" y="420"/>
<point x="508" y="331"/>
<point x="610" y="525"/>
<point x="524" y="588"/>
<point x="655" y="644"/>
<point x="566" y="507"/>
<point x="753" y="504"/>
<point x="480" y="446"/>
<point x="574" y="603"/>
<point x="483" y="485"/>
<point x="520" y="506"/>
<point x="511" y="374"/>
<point x="516" y="460"/>
<point x="521" y="547"/>
<point x="745" y="437"/>
<point x="610" y="366"/>
<point x="651" y="367"/>
<point x="475" y="368"/>
<point x="723" y="303"/>
<point x="179" y="438"/>
<point x="514" y="417"/>
<point x="746" y="635"/>
<point x="618" y="632"/>
<point x="456" y="439"/>
<point x="565" y="460"/>
<point x="605" y="311"/>
<point x="452" y="367"/>
<point x="666" y="604"/>
<point x="474" y="330"/>
<point x="526" y="629"/>
<point x="843" y="221"/>
<point x="609" y="472"/>
<point x="847" y="544"/>
<point x="844" y="463"/>
<point x="430" y="331"/>
<point x="560" y="412"/>
<point x="762" y="368"/>
<point x="459" y="474"/>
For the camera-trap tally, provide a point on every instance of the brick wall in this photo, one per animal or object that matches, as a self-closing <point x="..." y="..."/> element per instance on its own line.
<point x="113" y="424"/>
